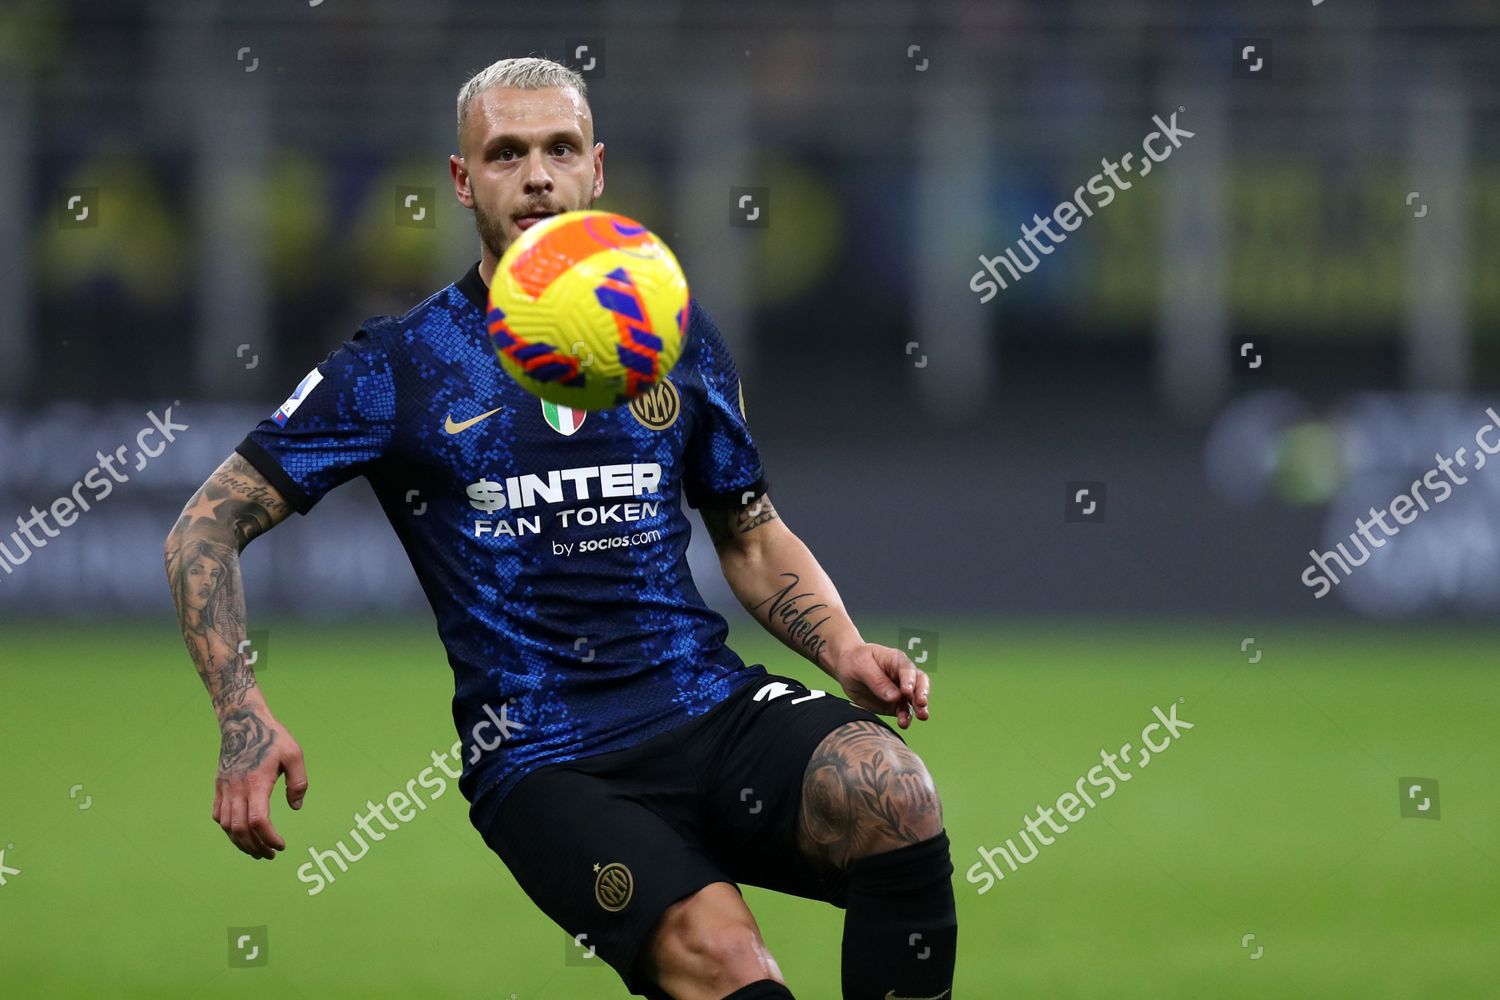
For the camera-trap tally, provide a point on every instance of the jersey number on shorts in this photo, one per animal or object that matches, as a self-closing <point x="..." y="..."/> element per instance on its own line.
<point x="776" y="689"/>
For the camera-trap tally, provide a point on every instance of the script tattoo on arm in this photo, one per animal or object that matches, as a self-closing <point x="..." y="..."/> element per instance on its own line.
<point x="865" y="792"/>
<point x="795" y="618"/>
<point x="251" y="506"/>
<point x="751" y="554"/>
<point x="233" y="507"/>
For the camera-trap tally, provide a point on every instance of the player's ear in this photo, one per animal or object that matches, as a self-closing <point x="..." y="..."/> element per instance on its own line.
<point x="598" y="169"/>
<point x="460" y="171"/>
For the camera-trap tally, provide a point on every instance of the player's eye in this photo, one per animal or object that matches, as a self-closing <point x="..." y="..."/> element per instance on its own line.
<point x="562" y="149"/>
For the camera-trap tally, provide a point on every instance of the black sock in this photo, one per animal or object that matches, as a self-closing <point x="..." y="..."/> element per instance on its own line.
<point x="765" y="989"/>
<point x="901" y="930"/>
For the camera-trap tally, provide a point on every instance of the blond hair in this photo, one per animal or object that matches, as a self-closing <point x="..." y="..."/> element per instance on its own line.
<point x="523" y="73"/>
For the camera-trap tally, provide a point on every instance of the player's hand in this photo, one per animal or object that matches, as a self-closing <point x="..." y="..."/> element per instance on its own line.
<point x="885" y="681"/>
<point x="254" y="751"/>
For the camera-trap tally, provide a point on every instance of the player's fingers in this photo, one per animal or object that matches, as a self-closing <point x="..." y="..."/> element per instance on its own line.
<point x="239" y="823"/>
<point x="244" y="837"/>
<point x="886" y="675"/>
<point x="258" y="819"/>
<point x="225" y="805"/>
<point x="898" y="667"/>
<point x="924" y="695"/>
<point x="218" y="799"/>
<point x="908" y="673"/>
<point x="260" y="822"/>
<point x="296" y="778"/>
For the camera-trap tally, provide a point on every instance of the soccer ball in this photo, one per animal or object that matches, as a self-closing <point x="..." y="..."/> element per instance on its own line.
<point x="588" y="310"/>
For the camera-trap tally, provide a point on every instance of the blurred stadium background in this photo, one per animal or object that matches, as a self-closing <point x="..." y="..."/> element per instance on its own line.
<point x="248" y="173"/>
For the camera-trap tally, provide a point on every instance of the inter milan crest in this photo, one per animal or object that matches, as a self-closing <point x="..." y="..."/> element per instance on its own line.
<point x="657" y="407"/>
<point x="613" y="886"/>
<point x="563" y="419"/>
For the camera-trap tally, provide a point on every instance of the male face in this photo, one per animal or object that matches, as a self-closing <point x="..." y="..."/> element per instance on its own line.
<point x="524" y="155"/>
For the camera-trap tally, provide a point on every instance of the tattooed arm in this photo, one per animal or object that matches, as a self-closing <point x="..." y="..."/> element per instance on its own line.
<point x="777" y="579"/>
<point x="235" y="505"/>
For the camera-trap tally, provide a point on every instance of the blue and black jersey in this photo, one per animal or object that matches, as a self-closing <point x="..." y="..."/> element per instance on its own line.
<point x="551" y="543"/>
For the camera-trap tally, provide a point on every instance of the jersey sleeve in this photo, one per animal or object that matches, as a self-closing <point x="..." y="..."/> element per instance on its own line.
<point x="336" y="425"/>
<point x="721" y="466"/>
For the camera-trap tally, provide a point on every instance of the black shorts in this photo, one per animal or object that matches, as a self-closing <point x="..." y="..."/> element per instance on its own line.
<point x="605" y="844"/>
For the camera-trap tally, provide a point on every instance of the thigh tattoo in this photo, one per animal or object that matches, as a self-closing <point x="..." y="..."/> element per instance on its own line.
<point x="865" y="792"/>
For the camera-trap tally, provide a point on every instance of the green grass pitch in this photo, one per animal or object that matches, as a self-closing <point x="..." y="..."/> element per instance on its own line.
<point x="1277" y="815"/>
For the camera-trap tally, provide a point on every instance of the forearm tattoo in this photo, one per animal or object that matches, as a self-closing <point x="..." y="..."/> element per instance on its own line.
<point x="864" y="792"/>
<point x="795" y="619"/>
<point x="203" y="567"/>
<point x="724" y="525"/>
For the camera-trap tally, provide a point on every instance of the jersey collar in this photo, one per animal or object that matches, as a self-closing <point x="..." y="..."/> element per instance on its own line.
<point x="473" y="287"/>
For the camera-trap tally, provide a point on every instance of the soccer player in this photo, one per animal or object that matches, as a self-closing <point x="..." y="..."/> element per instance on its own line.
<point x="641" y="769"/>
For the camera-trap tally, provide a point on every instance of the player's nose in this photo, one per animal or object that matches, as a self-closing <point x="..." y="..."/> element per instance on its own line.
<point x="537" y="177"/>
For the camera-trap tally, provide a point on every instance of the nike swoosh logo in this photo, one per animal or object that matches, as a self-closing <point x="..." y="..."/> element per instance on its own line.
<point x="891" y="995"/>
<point x="453" y="427"/>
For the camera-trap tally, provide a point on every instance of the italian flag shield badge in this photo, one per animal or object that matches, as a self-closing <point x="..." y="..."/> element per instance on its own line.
<point x="563" y="419"/>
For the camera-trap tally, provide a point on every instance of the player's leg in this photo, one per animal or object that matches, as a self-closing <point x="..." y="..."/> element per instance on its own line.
<point x="865" y="792"/>
<point x="873" y="839"/>
<point x="870" y="808"/>
<point x="585" y="846"/>
<point x="708" y="947"/>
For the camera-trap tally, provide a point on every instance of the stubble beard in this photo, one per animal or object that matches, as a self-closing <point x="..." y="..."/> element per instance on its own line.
<point x="491" y="228"/>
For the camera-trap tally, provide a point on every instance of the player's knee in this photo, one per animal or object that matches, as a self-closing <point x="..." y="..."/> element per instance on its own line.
<point x="923" y="815"/>
<point x="866" y="792"/>
<point x="701" y="950"/>
<point x="711" y="960"/>
<point x="913" y="813"/>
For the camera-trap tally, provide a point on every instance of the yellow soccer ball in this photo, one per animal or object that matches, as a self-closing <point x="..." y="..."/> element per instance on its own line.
<point x="588" y="310"/>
